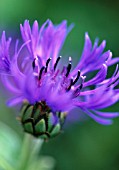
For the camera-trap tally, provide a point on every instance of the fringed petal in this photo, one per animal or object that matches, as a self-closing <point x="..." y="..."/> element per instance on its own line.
<point x="92" y="58"/>
<point x="101" y="75"/>
<point x="14" y="101"/>
<point x="98" y="119"/>
<point x="107" y="114"/>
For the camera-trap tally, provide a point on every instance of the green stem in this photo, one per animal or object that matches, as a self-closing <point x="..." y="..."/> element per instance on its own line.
<point x="5" y="165"/>
<point x="29" y="151"/>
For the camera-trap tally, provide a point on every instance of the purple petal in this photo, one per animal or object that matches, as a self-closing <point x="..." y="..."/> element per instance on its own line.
<point x="107" y="114"/>
<point x="98" y="119"/>
<point x="14" y="101"/>
<point x="101" y="75"/>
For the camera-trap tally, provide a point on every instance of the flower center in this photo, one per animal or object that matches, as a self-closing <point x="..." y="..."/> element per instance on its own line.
<point x="66" y="82"/>
<point x="40" y="121"/>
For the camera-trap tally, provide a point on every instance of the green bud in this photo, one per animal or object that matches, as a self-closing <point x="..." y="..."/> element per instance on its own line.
<point x="40" y="121"/>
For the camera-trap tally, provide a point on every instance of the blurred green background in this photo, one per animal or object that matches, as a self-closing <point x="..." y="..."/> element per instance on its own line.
<point x="87" y="145"/>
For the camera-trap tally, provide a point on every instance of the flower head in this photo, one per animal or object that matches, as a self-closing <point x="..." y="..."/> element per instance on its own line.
<point x="48" y="90"/>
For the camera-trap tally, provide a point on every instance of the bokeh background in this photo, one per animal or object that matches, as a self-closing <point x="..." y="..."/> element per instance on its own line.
<point x="83" y="145"/>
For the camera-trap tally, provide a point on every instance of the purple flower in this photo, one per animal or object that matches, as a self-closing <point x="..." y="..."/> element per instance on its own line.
<point x="37" y="76"/>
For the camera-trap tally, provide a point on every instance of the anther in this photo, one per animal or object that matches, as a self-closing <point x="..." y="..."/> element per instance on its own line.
<point x="81" y="86"/>
<point x="71" y="83"/>
<point x="41" y="71"/>
<point x="78" y="75"/>
<point x="77" y="91"/>
<point x="47" y="63"/>
<point x="33" y="63"/>
<point x="68" y="69"/>
<point x="82" y="81"/>
<point x="57" y="61"/>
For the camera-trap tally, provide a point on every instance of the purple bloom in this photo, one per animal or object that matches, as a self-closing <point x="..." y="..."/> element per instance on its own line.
<point x="37" y="76"/>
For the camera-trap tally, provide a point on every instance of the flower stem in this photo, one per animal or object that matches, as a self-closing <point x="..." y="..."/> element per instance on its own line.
<point x="29" y="151"/>
<point x="5" y="165"/>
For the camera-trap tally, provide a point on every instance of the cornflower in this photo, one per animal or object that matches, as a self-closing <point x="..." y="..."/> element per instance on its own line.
<point x="49" y="90"/>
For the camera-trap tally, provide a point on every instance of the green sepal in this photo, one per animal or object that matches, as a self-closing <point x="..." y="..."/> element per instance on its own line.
<point x="23" y="108"/>
<point x="40" y="126"/>
<point x="36" y="113"/>
<point x="56" y="130"/>
<point x="28" y="127"/>
<point x="27" y="114"/>
<point x="44" y="136"/>
<point x="50" y="123"/>
<point x="62" y="117"/>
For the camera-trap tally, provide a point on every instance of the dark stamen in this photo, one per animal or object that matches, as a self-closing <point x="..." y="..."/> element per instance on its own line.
<point x="81" y="86"/>
<point x="47" y="63"/>
<point x="41" y="71"/>
<point x="68" y="69"/>
<point x="33" y="63"/>
<point x="76" y="92"/>
<point x="71" y="83"/>
<point x="57" y="61"/>
<point x="78" y="75"/>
